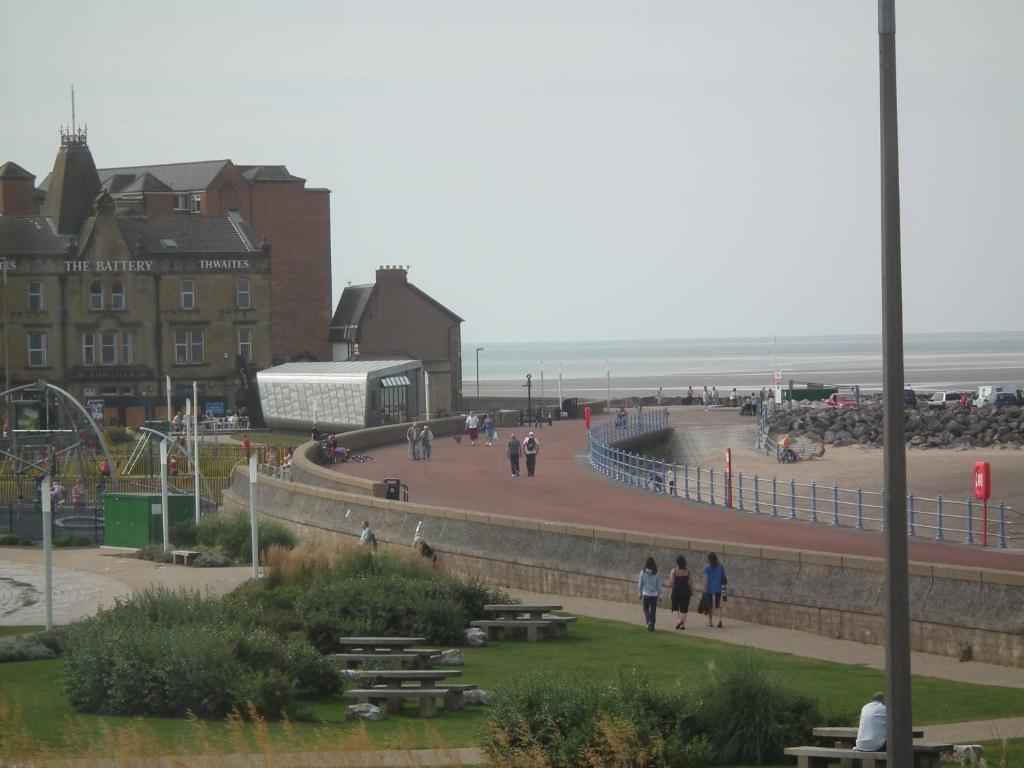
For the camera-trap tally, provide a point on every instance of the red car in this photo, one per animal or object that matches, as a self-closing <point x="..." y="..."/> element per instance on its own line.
<point x="842" y="400"/>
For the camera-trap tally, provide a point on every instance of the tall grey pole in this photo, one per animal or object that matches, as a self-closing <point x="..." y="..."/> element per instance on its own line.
<point x="897" y="642"/>
<point x="254" y="518"/>
<point x="169" y="414"/>
<point x="478" y="351"/>
<point x="7" y="364"/>
<point x="44" y="492"/>
<point x="165" y="513"/>
<point x="195" y="455"/>
<point x="608" y="385"/>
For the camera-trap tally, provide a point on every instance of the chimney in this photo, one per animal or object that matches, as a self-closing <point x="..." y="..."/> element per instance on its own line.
<point x="392" y="275"/>
<point x="17" y="189"/>
<point x="74" y="184"/>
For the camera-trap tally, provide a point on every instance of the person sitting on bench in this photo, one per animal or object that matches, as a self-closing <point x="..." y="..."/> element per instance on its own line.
<point x="871" y="731"/>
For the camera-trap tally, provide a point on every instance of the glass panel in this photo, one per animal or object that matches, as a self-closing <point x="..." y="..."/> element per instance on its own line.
<point x="88" y="349"/>
<point x="108" y="347"/>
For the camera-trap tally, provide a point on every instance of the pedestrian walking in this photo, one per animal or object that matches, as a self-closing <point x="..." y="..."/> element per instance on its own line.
<point x="489" y="429"/>
<point x="706" y="399"/>
<point x="246" y="447"/>
<point x="732" y="397"/>
<point x="649" y="586"/>
<point x="368" y="538"/>
<point x="472" y="427"/>
<point x="426" y="440"/>
<point x="412" y="435"/>
<point x="512" y="451"/>
<point x="538" y="422"/>
<point x="531" y="447"/>
<point x="682" y="592"/>
<point x="689" y="395"/>
<point x="714" y="395"/>
<point x="714" y="588"/>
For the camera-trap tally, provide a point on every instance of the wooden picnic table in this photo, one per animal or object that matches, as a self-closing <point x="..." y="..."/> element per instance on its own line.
<point x="379" y="644"/>
<point x="536" y="612"/>
<point x="847" y="737"/>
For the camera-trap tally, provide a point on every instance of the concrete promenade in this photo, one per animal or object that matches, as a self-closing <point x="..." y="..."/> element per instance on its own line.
<point x="567" y="490"/>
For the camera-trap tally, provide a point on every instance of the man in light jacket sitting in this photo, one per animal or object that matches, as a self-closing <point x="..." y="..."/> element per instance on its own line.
<point x="871" y="732"/>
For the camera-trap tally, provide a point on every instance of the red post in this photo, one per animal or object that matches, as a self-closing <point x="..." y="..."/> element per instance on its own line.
<point x="728" y="474"/>
<point x="982" y="492"/>
<point x="586" y="416"/>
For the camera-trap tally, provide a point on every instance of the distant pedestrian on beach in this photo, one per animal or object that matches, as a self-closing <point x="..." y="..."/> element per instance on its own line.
<point x="689" y="395"/>
<point x="472" y="427"/>
<point x="412" y="435"/>
<point x="706" y="399"/>
<point x="682" y="592"/>
<point x="732" y="397"/>
<point x="714" y="587"/>
<point x="714" y="395"/>
<point x="512" y="451"/>
<point x="649" y="586"/>
<point x="531" y="447"/>
<point x="426" y="440"/>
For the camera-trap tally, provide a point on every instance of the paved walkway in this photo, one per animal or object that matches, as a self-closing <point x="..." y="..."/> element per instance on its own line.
<point x="567" y="490"/>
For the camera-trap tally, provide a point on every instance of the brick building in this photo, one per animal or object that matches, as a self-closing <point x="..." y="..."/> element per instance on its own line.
<point x="392" y="318"/>
<point x="106" y="298"/>
<point x="293" y="218"/>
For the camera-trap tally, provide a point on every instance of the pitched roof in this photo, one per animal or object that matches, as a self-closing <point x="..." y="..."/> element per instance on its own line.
<point x="30" y="236"/>
<point x="349" y="313"/>
<point x="11" y="170"/>
<point x="435" y="302"/>
<point x="146" y="182"/>
<point x="179" y="177"/>
<point x="267" y="173"/>
<point x="194" y="234"/>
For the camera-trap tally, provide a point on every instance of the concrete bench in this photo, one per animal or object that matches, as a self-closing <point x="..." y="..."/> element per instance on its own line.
<point x="187" y="556"/>
<point x="559" y="624"/>
<point x="394" y="697"/>
<point x="453" y="695"/>
<point x="405" y="660"/>
<point x="925" y="756"/>
<point x="535" y="628"/>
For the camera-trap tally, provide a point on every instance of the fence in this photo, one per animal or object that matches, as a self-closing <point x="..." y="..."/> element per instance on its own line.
<point x="937" y="518"/>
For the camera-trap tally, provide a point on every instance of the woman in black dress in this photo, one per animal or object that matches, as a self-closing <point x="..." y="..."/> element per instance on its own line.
<point x="679" y="578"/>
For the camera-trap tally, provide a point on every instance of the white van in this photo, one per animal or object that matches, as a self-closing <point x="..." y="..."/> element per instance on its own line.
<point x="986" y="395"/>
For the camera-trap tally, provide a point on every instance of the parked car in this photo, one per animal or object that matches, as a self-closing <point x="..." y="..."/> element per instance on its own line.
<point x="945" y="399"/>
<point x="1004" y="400"/>
<point x="842" y="400"/>
<point x="910" y="398"/>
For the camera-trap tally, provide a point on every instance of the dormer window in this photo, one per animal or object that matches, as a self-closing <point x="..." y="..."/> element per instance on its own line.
<point x="181" y="202"/>
<point x="96" y="295"/>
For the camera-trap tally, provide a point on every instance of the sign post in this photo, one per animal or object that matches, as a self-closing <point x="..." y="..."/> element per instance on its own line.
<point x="982" y="492"/>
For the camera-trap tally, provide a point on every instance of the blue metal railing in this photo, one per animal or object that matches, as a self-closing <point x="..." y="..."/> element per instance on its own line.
<point x="941" y="519"/>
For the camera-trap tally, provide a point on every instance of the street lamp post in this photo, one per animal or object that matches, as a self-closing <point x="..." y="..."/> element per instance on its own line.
<point x="608" y="384"/>
<point x="478" y="351"/>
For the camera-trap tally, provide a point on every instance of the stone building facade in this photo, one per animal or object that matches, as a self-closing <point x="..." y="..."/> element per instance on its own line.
<point x="392" y="318"/>
<point x="107" y="302"/>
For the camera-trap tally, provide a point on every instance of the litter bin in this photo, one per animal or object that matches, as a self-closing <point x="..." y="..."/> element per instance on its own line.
<point x="393" y="488"/>
<point x="570" y="406"/>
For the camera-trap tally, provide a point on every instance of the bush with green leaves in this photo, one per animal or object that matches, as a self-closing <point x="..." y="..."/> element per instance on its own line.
<point x="24" y="648"/>
<point x="231" y="535"/>
<point x="10" y="540"/>
<point x="168" y="653"/>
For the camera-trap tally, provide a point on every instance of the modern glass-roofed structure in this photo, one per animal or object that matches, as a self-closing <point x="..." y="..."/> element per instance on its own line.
<point x="340" y="395"/>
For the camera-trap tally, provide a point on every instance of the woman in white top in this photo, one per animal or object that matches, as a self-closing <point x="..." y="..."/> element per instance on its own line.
<point x="649" y="586"/>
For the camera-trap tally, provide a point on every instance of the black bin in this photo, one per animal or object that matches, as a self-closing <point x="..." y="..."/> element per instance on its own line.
<point x="393" y="488"/>
<point x="571" y="407"/>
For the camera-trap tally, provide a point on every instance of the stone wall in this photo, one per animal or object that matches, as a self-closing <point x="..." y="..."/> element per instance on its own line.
<point x="831" y="595"/>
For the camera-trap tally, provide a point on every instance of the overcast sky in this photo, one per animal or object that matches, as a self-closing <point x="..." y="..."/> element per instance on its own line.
<point x="565" y="170"/>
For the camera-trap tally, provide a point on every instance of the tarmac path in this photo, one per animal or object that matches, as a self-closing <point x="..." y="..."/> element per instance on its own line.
<point x="567" y="490"/>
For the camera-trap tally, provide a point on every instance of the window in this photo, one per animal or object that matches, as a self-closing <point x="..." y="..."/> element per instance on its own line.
<point x="181" y="202"/>
<point x="245" y="344"/>
<point x="126" y="348"/>
<point x="188" y="294"/>
<point x="108" y="348"/>
<point x="96" y="295"/>
<point x="37" y="349"/>
<point x="88" y="348"/>
<point x="243" y="294"/>
<point x="35" y="296"/>
<point x="117" y="295"/>
<point x="195" y="203"/>
<point x="188" y="347"/>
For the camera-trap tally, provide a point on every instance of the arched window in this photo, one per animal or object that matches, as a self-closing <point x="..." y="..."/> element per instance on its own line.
<point x="96" y="295"/>
<point x="117" y="295"/>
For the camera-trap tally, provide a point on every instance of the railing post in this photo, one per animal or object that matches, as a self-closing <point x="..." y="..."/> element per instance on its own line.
<point x="910" y="514"/>
<point x="698" y="482"/>
<point x="970" y="520"/>
<point x="792" y="499"/>
<point x="711" y="485"/>
<point x="739" y="477"/>
<point x="938" y="512"/>
<point x="775" y="498"/>
<point x="1002" y="525"/>
<point x="835" y="504"/>
<point x="686" y="481"/>
<point x="757" y="499"/>
<point x="860" y="508"/>
<point x="814" y="501"/>
<point x="675" y="479"/>
<point x="881" y="519"/>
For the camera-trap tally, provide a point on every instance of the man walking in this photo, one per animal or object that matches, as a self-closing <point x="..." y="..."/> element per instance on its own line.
<point x="530" y="447"/>
<point x="413" y="436"/>
<point x="512" y="451"/>
<point x="472" y="427"/>
<point x="367" y="538"/>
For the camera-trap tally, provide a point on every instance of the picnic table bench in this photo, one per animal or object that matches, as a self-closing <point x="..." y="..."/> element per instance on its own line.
<point x="533" y="619"/>
<point x="925" y="755"/>
<point x="395" y="697"/>
<point x="400" y="650"/>
<point x="186" y="555"/>
<point x="511" y="611"/>
<point x="846" y="736"/>
<point x="423" y="678"/>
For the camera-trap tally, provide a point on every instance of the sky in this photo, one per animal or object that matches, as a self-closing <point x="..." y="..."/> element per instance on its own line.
<point x="578" y="169"/>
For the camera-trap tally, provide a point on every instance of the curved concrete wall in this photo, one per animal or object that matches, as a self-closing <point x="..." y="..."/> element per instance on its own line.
<point x="828" y="594"/>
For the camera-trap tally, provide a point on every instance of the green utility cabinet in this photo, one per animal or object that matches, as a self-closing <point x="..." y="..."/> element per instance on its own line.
<point x="136" y="519"/>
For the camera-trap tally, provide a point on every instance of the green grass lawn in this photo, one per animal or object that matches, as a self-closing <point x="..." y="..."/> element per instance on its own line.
<point x="600" y="648"/>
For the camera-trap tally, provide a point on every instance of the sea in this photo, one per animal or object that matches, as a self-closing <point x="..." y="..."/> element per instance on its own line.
<point x="932" y="361"/>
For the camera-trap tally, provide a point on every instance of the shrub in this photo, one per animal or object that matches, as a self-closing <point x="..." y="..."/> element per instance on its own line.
<point x="231" y="534"/>
<point x="72" y="540"/>
<point x="156" y="553"/>
<point x="750" y="716"/>
<point x="24" y="648"/>
<point x="10" y="540"/>
<point x="183" y="534"/>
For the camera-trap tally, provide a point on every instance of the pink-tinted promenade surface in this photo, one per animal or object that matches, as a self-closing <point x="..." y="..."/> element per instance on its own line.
<point x="566" y="490"/>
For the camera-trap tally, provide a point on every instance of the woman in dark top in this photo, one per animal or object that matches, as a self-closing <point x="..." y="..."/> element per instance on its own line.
<point x="679" y="578"/>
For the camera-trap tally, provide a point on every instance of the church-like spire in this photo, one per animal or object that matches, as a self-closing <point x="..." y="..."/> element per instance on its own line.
<point x="74" y="182"/>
